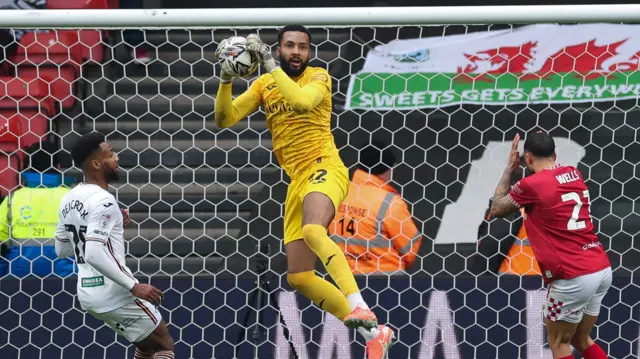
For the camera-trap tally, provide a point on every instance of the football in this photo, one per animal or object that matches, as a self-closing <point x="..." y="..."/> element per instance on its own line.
<point x="236" y="60"/>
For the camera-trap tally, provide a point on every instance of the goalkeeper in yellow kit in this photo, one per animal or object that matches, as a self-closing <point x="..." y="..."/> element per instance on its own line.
<point x="297" y="103"/>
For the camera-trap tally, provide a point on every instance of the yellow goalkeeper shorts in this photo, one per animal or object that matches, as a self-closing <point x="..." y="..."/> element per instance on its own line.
<point x="332" y="179"/>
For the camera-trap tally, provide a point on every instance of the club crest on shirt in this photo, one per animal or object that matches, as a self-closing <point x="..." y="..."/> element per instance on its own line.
<point x="104" y="221"/>
<point x="320" y="77"/>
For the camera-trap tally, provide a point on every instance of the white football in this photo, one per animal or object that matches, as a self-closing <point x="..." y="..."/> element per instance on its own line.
<point x="236" y="60"/>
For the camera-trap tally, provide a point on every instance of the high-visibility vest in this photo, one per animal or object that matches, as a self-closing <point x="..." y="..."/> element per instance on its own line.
<point x="520" y="259"/>
<point x="33" y="212"/>
<point x="32" y="215"/>
<point x="374" y="227"/>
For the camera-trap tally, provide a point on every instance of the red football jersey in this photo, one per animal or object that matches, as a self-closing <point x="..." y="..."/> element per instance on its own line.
<point x="558" y="223"/>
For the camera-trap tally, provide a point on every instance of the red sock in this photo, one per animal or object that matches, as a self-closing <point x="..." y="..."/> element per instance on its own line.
<point x="594" y="352"/>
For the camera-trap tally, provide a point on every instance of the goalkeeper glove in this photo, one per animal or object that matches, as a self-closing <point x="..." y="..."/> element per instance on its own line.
<point x="261" y="51"/>
<point x="224" y="77"/>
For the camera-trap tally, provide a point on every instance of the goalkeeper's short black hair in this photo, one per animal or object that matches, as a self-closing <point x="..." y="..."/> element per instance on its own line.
<point x="42" y="157"/>
<point x="376" y="158"/>
<point x="540" y="144"/>
<point x="86" y="147"/>
<point x="297" y="28"/>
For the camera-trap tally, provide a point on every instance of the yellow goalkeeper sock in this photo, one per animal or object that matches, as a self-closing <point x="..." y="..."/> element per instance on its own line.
<point x="315" y="236"/>
<point x="321" y="292"/>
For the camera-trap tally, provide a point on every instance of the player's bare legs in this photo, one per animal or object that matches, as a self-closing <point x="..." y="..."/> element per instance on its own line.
<point x="300" y="258"/>
<point x="582" y="339"/>
<point x="559" y="336"/>
<point x="158" y="345"/>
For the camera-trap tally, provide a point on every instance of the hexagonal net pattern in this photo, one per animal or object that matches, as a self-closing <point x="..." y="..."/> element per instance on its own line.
<point x="206" y="203"/>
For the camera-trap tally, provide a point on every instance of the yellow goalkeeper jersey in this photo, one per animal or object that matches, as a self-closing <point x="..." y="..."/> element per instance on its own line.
<point x="298" y="116"/>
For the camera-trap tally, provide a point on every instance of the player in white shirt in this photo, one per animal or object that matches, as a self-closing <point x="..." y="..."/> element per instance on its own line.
<point x="91" y="228"/>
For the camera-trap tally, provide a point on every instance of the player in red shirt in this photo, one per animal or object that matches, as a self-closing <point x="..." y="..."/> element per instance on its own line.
<point x="558" y="222"/>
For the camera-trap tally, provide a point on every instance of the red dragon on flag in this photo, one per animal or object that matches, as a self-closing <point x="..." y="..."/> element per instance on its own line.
<point x="585" y="61"/>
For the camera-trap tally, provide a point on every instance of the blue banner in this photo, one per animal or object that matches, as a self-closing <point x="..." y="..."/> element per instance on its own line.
<point x="452" y="318"/>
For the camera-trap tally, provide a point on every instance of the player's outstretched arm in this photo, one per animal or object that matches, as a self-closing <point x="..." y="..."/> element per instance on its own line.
<point x="302" y="99"/>
<point x="228" y="111"/>
<point x="306" y="98"/>
<point x="502" y="204"/>
<point x="102" y="218"/>
<point x="98" y="256"/>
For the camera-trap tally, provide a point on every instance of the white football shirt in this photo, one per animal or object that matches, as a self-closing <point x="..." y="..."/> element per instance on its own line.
<point x="88" y="211"/>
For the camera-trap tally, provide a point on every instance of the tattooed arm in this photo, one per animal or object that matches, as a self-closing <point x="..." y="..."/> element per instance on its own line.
<point x="503" y="205"/>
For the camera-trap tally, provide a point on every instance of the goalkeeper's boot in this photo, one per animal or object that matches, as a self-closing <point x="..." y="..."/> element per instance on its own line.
<point x="378" y="348"/>
<point x="361" y="317"/>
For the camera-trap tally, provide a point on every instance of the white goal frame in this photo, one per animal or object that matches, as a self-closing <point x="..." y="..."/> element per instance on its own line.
<point x="378" y="16"/>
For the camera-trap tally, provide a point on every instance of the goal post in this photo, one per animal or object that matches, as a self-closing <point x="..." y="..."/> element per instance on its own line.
<point x="354" y="16"/>
<point x="446" y="88"/>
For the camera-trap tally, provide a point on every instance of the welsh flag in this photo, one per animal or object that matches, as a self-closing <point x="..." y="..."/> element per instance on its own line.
<point x="528" y="65"/>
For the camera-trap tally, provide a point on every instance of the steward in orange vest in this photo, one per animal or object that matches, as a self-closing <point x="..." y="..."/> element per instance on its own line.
<point x="373" y="225"/>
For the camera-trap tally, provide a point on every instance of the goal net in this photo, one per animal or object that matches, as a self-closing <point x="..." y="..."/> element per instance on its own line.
<point x="207" y="203"/>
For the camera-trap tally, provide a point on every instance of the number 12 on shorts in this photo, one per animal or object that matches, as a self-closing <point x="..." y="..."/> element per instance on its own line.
<point x="573" y="223"/>
<point x="318" y="176"/>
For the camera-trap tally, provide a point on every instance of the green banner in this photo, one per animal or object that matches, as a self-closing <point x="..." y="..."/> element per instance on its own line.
<point x="527" y="65"/>
<point x="424" y="90"/>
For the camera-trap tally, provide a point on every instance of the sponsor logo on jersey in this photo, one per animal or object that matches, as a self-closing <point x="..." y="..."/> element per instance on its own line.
<point x="101" y="233"/>
<point x="90" y="282"/>
<point x="591" y="245"/>
<point x="280" y="106"/>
